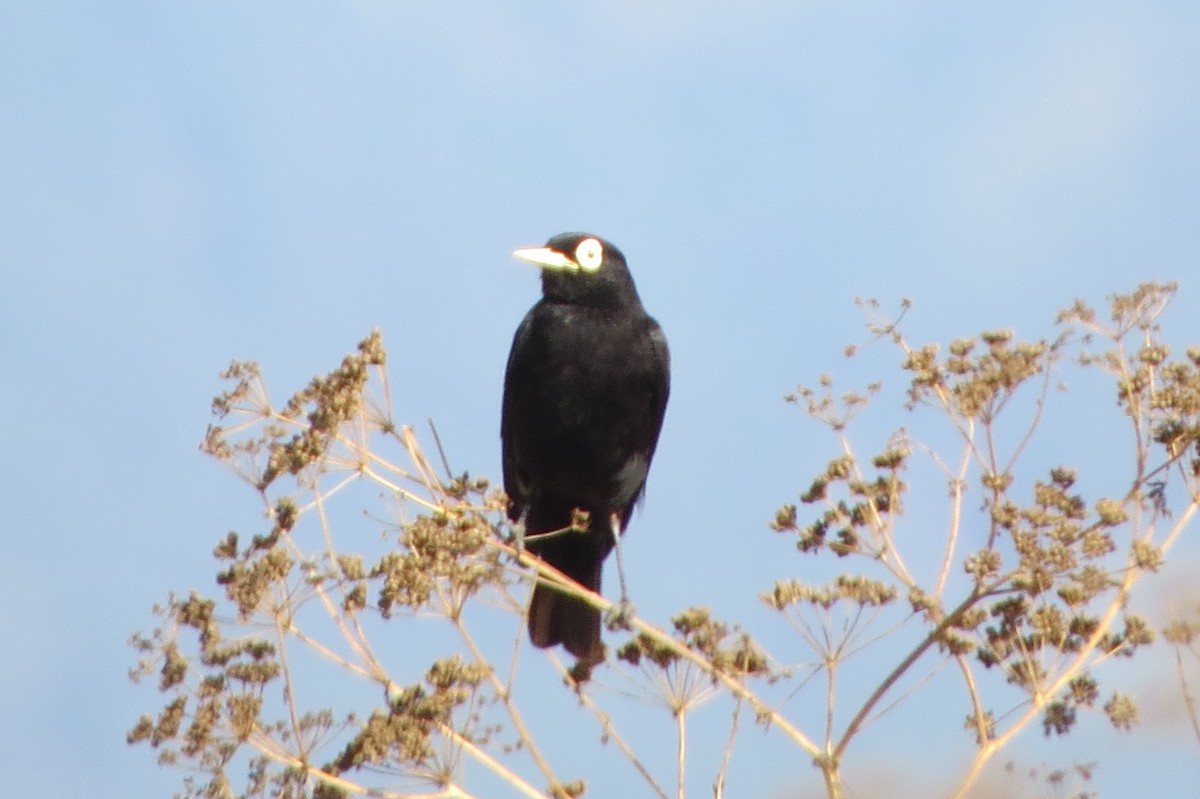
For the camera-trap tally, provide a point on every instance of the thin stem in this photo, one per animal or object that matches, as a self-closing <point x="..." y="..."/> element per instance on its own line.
<point x="612" y="734"/>
<point x="912" y="657"/>
<point x="289" y="687"/>
<point x="727" y="754"/>
<point x="981" y="725"/>
<point x="833" y="779"/>
<point x="1043" y="696"/>
<point x="890" y="555"/>
<point x="269" y="747"/>
<point x="830" y="698"/>
<point x="492" y="764"/>
<point x="356" y="638"/>
<point x="505" y="696"/>
<point x="681" y="752"/>
<point x="1189" y="700"/>
<point x="762" y="711"/>
<point x="1036" y="422"/>
<point x="959" y="482"/>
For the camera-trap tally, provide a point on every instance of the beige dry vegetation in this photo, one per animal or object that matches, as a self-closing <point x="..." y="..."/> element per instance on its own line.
<point x="1027" y="599"/>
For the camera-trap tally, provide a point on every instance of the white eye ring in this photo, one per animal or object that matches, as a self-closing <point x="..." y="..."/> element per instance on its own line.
<point x="589" y="255"/>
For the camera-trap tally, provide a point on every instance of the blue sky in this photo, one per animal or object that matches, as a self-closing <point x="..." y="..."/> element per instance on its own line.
<point x="186" y="183"/>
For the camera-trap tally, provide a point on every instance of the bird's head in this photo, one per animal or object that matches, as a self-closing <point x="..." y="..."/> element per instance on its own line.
<point x="583" y="269"/>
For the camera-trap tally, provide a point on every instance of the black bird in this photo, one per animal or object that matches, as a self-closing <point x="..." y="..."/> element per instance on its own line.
<point x="585" y="391"/>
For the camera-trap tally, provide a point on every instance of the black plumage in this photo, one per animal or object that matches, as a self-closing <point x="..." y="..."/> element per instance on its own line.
<point x="585" y="391"/>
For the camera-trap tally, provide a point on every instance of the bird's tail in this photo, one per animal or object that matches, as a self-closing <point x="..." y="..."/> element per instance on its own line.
<point x="558" y="618"/>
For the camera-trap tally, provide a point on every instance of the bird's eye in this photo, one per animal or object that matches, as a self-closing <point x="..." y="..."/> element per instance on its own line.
<point x="589" y="254"/>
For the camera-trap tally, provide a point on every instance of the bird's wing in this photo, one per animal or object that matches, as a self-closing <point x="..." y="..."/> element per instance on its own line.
<point x="509" y="420"/>
<point x="658" y="341"/>
<point x="660" y="391"/>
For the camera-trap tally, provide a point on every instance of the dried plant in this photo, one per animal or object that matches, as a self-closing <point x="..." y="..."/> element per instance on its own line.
<point x="1027" y="596"/>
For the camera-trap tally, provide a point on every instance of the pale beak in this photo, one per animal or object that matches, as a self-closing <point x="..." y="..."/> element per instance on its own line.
<point x="546" y="258"/>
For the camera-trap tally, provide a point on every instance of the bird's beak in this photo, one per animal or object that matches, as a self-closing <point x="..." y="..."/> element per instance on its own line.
<point x="545" y="258"/>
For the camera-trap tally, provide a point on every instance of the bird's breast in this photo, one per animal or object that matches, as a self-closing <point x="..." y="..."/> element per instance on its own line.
<point x="580" y="395"/>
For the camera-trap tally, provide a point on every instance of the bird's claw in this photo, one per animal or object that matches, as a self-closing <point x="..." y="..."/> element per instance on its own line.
<point x="517" y="535"/>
